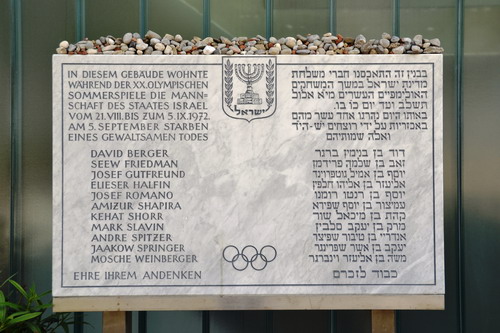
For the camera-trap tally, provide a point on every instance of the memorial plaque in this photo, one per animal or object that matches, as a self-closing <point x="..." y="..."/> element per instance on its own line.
<point x="247" y="175"/>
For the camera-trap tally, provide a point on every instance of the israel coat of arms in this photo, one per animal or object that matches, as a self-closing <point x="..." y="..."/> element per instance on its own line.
<point x="249" y="87"/>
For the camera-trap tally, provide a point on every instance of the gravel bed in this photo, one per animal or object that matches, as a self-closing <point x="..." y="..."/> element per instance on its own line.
<point x="152" y="43"/>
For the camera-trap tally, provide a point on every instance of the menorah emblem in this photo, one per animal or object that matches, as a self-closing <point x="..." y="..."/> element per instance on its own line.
<point x="256" y="76"/>
<point x="249" y="77"/>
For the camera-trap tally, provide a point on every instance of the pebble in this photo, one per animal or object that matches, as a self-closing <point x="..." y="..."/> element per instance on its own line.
<point x="141" y="46"/>
<point x="312" y="38"/>
<point x="208" y="50"/>
<point x="384" y="42"/>
<point x="387" y="36"/>
<point x="398" y="50"/>
<point x="435" y="42"/>
<point x="168" y="50"/>
<point x="348" y="40"/>
<point x="394" y="39"/>
<point x="365" y="48"/>
<point x="301" y="38"/>
<point x="151" y="34"/>
<point x="360" y="39"/>
<point x="290" y="42"/>
<point x="152" y="43"/>
<point x="303" y="51"/>
<point x="433" y="49"/>
<point x="274" y="51"/>
<point x="418" y="40"/>
<point x="108" y="48"/>
<point x="416" y="49"/>
<point x="127" y="38"/>
<point x="235" y="49"/>
<point x="208" y="40"/>
<point x="81" y="45"/>
<point x="380" y="49"/>
<point x="225" y="40"/>
<point x="160" y="47"/>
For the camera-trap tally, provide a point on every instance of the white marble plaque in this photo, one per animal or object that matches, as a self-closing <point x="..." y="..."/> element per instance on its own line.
<point x="241" y="175"/>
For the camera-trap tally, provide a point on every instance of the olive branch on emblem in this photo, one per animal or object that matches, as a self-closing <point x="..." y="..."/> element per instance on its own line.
<point x="270" y="83"/>
<point x="228" y="82"/>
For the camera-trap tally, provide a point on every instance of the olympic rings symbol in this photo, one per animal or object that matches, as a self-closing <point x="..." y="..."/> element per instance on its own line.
<point x="258" y="260"/>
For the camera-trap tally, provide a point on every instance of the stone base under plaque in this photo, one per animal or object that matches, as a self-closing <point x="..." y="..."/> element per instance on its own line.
<point x="216" y="302"/>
